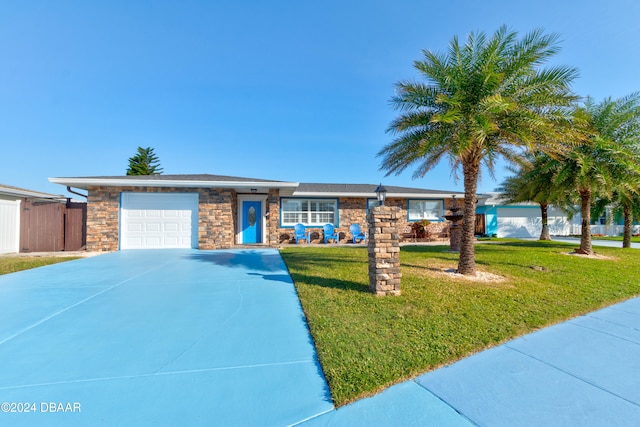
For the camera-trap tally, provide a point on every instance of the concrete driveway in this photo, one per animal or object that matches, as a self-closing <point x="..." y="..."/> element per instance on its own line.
<point x="171" y="337"/>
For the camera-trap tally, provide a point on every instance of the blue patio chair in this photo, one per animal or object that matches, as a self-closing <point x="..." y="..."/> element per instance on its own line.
<point x="330" y="233"/>
<point x="301" y="233"/>
<point x="356" y="234"/>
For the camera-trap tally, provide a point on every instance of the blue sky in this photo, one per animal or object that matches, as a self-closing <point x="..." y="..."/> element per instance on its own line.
<point x="284" y="90"/>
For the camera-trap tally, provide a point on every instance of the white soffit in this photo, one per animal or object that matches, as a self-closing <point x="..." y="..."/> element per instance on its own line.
<point x="85" y="183"/>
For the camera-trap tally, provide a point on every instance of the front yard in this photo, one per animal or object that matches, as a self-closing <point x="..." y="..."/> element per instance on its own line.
<point x="366" y="343"/>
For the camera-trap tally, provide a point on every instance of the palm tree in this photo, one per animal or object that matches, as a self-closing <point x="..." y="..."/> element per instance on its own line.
<point x="630" y="210"/>
<point x="606" y="163"/>
<point x="487" y="98"/>
<point x="532" y="182"/>
<point x="144" y="162"/>
<point x="618" y="121"/>
<point x="625" y="203"/>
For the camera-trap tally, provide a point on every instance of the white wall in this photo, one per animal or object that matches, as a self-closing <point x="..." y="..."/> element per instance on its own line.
<point x="608" y="230"/>
<point x="527" y="222"/>
<point x="9" y="226"/>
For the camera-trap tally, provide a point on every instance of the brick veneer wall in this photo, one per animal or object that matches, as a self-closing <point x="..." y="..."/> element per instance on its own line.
<point x="217" y="215"/>
<point x="102" y="219"/>
<point x="217" y="209"/>
<point x="273" y="221"/>
<point x="351" y="210"/>
<point x="384" y="250"/>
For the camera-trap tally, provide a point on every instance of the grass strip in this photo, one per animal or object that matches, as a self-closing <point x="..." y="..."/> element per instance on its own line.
<point x="634" y="239"/>
<point x="11" y="264"/>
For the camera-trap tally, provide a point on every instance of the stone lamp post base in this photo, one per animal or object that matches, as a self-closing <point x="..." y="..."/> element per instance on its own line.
<point x="384" y="250"/>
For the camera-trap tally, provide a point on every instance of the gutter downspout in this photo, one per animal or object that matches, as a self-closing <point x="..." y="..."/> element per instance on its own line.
<point x="75" y="192"/>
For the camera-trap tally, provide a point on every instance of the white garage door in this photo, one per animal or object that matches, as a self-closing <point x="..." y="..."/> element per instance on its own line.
<point x="519" y="222"/>
<point x="158" y="220"/>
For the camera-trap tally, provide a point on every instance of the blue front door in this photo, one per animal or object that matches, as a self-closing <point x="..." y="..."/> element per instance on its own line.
<point x="251" y="222"/>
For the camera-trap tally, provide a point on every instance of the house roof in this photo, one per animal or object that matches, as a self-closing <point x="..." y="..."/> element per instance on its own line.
<point x="498" y="199"/>
<point x="190" y="180"/>
<point x="367" y="190"/>
<point x="9" y="191"/>
<point x="260" y="185"/>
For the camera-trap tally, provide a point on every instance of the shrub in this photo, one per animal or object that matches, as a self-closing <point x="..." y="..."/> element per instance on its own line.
<point x="420" y="228"/>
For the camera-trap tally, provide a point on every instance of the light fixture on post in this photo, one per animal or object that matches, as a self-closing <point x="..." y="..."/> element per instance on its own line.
<point x="381" y="194"/>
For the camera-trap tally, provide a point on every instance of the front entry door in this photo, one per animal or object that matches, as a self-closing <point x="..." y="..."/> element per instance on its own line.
<point x="251" y="222"/>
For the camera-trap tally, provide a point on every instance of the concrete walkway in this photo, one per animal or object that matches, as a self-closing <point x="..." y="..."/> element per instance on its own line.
<point x="584" y="372"/>
<point x="153" y="338"/>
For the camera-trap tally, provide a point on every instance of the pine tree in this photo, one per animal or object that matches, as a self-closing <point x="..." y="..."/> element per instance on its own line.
<point x="145" y="162"/>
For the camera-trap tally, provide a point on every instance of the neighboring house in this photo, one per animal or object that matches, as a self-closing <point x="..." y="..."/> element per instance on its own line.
<point x="32" y="221"/>
<point x="519" y="219"/>
<point x="496" y="217"/>
<point x="608" y="224"/>
<point x="215" y="212"/>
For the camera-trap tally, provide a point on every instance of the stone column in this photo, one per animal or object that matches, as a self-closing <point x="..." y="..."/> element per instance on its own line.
<point x="384" y="250"/>
<point x="455" y="236"/>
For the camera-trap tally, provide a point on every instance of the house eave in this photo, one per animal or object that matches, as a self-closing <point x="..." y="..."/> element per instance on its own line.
<point x="85" y="183"/>
<point x="22" y="193"/>
<point x="373" y="195"/>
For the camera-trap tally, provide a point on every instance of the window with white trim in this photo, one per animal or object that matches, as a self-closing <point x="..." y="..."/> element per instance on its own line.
<point x="310" y="212"/>
<point x="431" y="210"/>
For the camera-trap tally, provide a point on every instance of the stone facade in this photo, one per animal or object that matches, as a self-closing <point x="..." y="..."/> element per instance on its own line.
<point x="103" y="204"/>
<point x="273" y="218"/>
<point x="384" y="250"/>
<point x="217" y="213"/>
<point x="354" y="211"/>
<point x="217" y="217"/>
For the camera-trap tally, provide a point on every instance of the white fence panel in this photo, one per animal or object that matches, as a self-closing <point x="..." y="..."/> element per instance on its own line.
<point x="607" y="230"/>
<point x="9" y="226"/>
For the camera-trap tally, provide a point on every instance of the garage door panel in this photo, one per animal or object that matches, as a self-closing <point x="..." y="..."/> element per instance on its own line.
<point x="174" y="241"/>
<point x="159" y="220"/>
<point x="153" y="242"/>
<point x="134" y="227"/>
<point x="152" y="227"/>
<point x="172" y="227"/>
<point x="134" y="241"/>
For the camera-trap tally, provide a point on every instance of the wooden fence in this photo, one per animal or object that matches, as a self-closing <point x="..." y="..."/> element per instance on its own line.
<point x="47" y="226"/>
<point x="481" y="227"/>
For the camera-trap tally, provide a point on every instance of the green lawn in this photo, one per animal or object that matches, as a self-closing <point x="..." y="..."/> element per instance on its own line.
<point x="635" y="239"/>
<point x="366" y="343"/>
<point x="11" y="264"/>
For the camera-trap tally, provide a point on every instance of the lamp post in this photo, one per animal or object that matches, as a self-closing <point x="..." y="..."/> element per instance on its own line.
<point x="381" y="194"/>
<point x="383" y="247"/>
